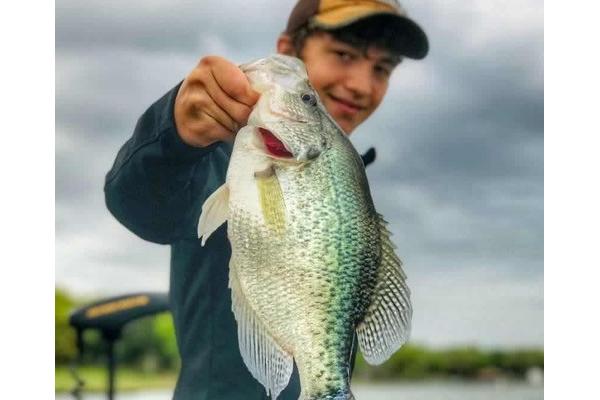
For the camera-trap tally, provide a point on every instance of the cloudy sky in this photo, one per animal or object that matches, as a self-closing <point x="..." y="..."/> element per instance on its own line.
<point x="459" y="173"/>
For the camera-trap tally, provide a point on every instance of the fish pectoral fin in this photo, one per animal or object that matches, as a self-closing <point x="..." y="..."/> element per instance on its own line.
<point x="387" y="322"/>
<point x="271" y="199"/>
<point x="266" y="360"/>
<point x="215" y="212"/>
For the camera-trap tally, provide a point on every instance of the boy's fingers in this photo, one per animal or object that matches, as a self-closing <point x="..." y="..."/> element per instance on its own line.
<point x="233" y="82"/>
<point x="227" y="93"/>
<point x="214" y="131"/>
<point x="237" y="110"/>
<point x="214" y="100"/>
<point x="203" y="102"/>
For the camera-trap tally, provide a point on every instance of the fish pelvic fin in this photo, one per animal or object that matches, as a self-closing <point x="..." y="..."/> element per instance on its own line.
<point x="266" y="360"/>
<point x="387" y="322"/>
<point x="271" y="199"/>
<point x="215" y="212"/>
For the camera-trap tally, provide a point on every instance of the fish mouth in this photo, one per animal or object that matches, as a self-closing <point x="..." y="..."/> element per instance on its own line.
<point x="273" y="145"/>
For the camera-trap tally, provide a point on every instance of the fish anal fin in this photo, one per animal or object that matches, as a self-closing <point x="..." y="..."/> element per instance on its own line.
<point x="267" y="361"/>
<point x="215" y="212"/>
<point x="387" y="322"/>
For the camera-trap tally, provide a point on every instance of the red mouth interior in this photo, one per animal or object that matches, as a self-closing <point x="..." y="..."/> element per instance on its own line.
<point x="274" y="145"/>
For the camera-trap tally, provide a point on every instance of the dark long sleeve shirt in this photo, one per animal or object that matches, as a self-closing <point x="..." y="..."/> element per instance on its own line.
<point x="156" y="189"/>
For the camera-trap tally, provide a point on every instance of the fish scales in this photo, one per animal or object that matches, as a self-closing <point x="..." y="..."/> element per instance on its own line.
<point x="311" y="261"/>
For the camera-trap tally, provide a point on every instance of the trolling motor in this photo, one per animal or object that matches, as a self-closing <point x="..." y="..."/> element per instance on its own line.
<point x="109" y="316"/>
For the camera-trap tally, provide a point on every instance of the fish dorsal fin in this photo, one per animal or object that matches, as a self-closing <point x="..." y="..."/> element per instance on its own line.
<point x="267" y="361"/>
<point x="215" y="212"/>
<point x="386" y="324"/>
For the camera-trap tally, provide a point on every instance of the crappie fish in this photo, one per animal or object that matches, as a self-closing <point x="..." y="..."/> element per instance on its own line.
<point x="312" y="262"/>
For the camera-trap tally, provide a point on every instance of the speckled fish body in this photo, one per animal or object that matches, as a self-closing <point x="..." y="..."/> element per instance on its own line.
<point x="312" y="262"/>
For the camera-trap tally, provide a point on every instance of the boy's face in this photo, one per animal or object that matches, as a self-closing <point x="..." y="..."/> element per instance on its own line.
<point x="350" y="82"/>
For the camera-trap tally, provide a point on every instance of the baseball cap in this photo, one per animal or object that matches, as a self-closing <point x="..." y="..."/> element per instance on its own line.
<point x="333" y="14"/>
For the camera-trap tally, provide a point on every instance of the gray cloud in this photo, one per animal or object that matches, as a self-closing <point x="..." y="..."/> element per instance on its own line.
<point x="460" y="167"/>
<point x="459" y="173"/>
<point x="168" y="26"/>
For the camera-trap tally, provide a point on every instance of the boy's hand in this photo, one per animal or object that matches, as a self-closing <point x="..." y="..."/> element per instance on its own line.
<point x="213" y="102"/>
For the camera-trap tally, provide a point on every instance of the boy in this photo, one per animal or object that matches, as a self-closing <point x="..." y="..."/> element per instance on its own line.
<point x="179" y="152"/>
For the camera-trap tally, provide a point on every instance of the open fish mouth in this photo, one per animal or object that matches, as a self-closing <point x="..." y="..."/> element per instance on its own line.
<point x="276" y="148"/>
<point x="273" y="145"/>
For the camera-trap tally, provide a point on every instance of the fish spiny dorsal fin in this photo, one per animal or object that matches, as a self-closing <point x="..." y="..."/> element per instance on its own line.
<point x="387" y="322"/>
<point x="215" y="212"/>
<point x="267" y="361"/>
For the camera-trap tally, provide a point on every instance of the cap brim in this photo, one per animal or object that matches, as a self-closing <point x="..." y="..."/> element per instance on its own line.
<point x="411" y="41"/>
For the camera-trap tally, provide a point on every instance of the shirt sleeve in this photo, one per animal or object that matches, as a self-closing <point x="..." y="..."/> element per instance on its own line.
<point x="149" y="188"/>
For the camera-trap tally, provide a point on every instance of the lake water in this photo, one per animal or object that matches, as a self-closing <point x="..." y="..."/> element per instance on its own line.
<point x="404" y="391"/>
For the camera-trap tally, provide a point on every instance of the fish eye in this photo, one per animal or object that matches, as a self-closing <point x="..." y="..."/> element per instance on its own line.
<point x="309" y="99"/>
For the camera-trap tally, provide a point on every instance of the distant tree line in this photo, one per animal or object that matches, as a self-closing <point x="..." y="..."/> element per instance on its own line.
<point x="149" y="344"/>
<point x="418" y="362"/>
